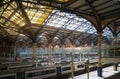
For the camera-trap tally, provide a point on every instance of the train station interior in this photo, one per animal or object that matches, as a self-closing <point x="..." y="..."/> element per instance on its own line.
<point x="59" y="39"/>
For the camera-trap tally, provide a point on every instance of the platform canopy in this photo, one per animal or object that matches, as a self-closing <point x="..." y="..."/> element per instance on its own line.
<point x="76" y="20"/>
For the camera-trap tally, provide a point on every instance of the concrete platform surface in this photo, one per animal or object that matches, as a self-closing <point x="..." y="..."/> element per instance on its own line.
<point x="107" y="72"/>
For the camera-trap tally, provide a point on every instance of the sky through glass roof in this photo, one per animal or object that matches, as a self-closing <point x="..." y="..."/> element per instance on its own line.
<point x="44" y="15"/>
<point x="73" y="22"/>
<point x="107" y="32"/>
<point x="69" y="21"/>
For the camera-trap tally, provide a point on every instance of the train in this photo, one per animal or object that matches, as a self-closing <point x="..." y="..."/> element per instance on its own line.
<point x="14" y="66"/>
<point x="43" y="72"/>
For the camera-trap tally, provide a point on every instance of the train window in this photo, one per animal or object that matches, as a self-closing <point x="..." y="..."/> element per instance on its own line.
<point x="40" y="73"/>
<point x="30" y="74"/>
<point x="94" y="63"/>
<point x="33" y="74"/>
<point x="8" y="77"/>
<point x="3" y="68"/>
<point x="50" y="71"/>
<point x="66" y="68"/>
<point x="80" y="66"/>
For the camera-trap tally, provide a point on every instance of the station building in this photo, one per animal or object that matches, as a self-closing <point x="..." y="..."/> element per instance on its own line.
<point x="35" y="30"/>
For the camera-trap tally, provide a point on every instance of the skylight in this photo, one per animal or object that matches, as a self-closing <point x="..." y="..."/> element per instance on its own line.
<point x="69" y="21"/>
<point x="107" y="32"/>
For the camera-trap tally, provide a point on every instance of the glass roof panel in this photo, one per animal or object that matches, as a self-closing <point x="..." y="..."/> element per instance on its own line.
<point x="69" y="21"/>
<point x="107" y="32"/>
<point x="37" y="13"/>
<point x="17" y="19"/>
<point x="2" y="9"/>
<point x="11" y="31"/>
<point x="37" y="16"/>
<point x="3" y="33"/>
<point x="2" y="20"/>
<point x="42" y="18"/>
<point x="9" y="9"/>
<point x="119" y="35"/>
<point x="11" y="25"/>
<point x="12" y="6"/>
<point x="5" y="1"/>
<point x="63" y="0"/>
<point x="7" y="13"/>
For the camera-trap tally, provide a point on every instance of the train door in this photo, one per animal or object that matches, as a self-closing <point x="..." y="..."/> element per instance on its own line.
<point x="3" y="68"/>
<point x="20" y="75"/>
<point x="58" y="70"/>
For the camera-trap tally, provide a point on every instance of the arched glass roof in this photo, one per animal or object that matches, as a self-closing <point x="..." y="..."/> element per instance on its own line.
<point x="107" y="33"/>
<point x="69" y="21"/>
<point x="33" y="17"/>
<point x="119" y="35"/>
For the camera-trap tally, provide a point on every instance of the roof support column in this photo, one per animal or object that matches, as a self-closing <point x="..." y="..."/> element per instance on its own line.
<point x="115" y="41"/>
<point x="99" y="48"/>
<point x="50" y="38"/>
<point x="72" y="59"/>
<point x="34" y="55"/>
<point x="62" y="47"/>
<point x="50" y="54"/>
<point x="99" y="69"/>
<point x="115" y="44"/>
<point x="63" y="53"/>
<point x="15" y="48"/>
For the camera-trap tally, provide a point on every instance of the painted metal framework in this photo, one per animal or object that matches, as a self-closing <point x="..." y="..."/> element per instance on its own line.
<point x="65" y="19"/>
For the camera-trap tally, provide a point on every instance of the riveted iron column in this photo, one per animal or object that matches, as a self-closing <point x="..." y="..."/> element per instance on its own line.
<point x="72" y="68"/>
<point x="99" y="54"/>
<point x="34" y="54"/>
<point x="87" y="68"/>
<point x="15" y="51"/>
<point x="49" y="54"/>
<point x="72" y="65"/>
<point x="63" y="53"/>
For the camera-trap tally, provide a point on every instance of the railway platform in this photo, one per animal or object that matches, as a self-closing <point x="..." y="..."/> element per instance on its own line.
<point x="108" y="73"/>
